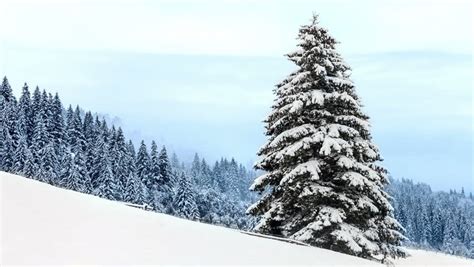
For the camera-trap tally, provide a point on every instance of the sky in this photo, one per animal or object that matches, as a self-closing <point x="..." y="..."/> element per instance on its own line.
<point x="198" y="76"/>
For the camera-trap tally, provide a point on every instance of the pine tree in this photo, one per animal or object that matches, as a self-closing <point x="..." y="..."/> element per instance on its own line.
<point x="9" y="110"/>
<point x="46" y="112"/>
<point x="74" y="175"/>
<point x="6" y="146"/>
<point x="132" y="191"/>
<point x="88" y="128"/>
<point x="131" y="151"/>
<point x="185" y="203"/>
<point x="155" y="166"/>
<point x="75" y="133"/>
<point x="143" y="165"/>
<point x="196" y="170"/>
<point x="174" y="161"/>
<point x="39" y="141"/>
<point x="165" y="182"/>
<point x="324" y="187"/>
<point x="121" y="161"/>
<point x="437" y="229"/>
<point x="206" y="175"/>
<point x="47" y="164"/>
<point x="6" y="90"/>
<point x="25" y="109"/>
<point x="21" y="156"/>
<point x="36" y="101"/>
<point x="29" y="167"/>
<point x="57" y="123"/>
<point x="13" y="123"/>
<point x="104" y="183"/>
<point x="6" y="149"/>
<point x="232" y="178"/>
<point x="91" y="135"/>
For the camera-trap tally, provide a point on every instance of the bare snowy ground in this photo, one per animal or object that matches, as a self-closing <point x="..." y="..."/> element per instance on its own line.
<point x="41" y="224"/>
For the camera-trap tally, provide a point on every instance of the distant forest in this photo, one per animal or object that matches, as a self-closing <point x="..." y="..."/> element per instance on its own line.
<point x="434" y="220"/>
<point x="76" y="150"/>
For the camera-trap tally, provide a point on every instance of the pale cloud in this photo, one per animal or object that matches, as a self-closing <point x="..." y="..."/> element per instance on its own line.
<point x="234" y="27"/>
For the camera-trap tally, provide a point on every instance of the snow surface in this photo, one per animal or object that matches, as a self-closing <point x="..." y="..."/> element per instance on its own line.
<point x="42" y="224"/>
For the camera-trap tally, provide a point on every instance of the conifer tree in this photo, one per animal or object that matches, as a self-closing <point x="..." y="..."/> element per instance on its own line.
<point x="88" y="128"/>
<point x="57" y="123"/>
<point x="73" y="175"/>
<point x="131" y="189"/>
<point x="21" y="156"/>
<point x="131" y="156"/>
<point x="91" y="135"/>
<point x="143" y="165"/>
<point x="47" y="163"/>
<point x="75" y="131"/>
<point x="6" y="149"/>
<point x="166" y="179"/>
<point x="185" y="202"/>
<point x="323" y="184"/>
<point x="232" y="178"/>
<point x="206" y="175"/>
<point x="13" y="123"/>
<point x="29" y="167"/>
<point x="174" y="161"/>
<point x="196" y="170"/>
<point x="9" y="110"/>
<point x="104" y="183"/>
<point x="131" y="152"/>
<point x="36" y="100"/>
<point x="155" y="166"/>
<point x="46" y="112"/>
<point x="6" y="90"/>
<point x="25" y="109"/>
<point x="39" y="140"/>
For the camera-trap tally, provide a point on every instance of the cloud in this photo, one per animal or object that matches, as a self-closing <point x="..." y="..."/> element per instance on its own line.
<point x="234" y="27"/>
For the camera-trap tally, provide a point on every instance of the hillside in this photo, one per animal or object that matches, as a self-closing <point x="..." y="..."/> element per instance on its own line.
<point x="42" y="224"/>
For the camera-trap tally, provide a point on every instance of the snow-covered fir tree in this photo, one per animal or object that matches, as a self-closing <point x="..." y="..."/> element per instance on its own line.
<point x="165" y="181"/>
<point x="21" y="156"/>
<point x="75" y="132"/>
<point x="106" y="185"/>
<point x="121" y="159"/>
<point x="73" y="174"/>
<point x="143" y="168"/>
<point x="47" y="164"/>
<point x="6" y="90"/>
<point x="133" y="190"/>
<point x="25" y="113"/>
<point x="57" y="125"/>
<point x="6" y="142"/>
<point x="185" y="200"/>
<point x="324" y="187"/>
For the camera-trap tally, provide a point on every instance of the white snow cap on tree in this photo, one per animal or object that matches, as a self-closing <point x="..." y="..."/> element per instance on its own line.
<point x="322" y="185"/>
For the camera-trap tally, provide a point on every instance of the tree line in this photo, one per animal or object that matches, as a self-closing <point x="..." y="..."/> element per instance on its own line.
<point x="441" y="221"/>
<point x="77" y="150"/>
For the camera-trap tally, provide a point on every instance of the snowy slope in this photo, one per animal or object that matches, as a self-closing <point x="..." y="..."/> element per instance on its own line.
<point x="41" y="224"/>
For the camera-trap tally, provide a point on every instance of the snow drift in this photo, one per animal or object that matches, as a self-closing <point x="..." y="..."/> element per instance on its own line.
<point x="42" y="224"/>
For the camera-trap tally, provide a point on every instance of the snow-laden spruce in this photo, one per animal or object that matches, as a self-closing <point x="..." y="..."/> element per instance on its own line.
<point x="322" y="185"/>
<point x="185" y="199"/>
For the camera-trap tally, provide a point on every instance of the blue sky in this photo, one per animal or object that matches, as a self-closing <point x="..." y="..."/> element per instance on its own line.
<point x="198" y="75"/>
